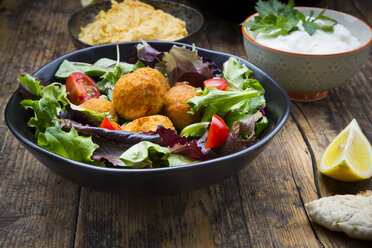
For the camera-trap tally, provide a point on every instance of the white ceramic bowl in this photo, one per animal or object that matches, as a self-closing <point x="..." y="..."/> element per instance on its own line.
<point x="308" y="77"/>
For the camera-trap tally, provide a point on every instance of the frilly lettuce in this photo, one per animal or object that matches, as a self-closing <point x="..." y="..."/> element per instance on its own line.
<point x="47" y="107"/>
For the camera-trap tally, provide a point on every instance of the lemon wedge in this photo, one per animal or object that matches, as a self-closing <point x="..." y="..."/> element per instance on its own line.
<point x="349" y="156"/>
<point x="87" y="2"/>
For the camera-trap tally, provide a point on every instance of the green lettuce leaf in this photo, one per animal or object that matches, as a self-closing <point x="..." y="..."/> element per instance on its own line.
<point x="31" y="83"/>
<point x="244" y="109"/>
<point x="55" y="91"/>
<point x="177" y="160"/>
<point x="68" y="67"/>
<point x="195" y="129"/>
<point x="45" y="113"/>
<point x="223" y="101"/>
<point x="145" y="154"/>
<point x="105" y="63"/>
<point x="97" y="118"/>
<point x="125" y="67"/>
<point x="235" y="73"/>
<point x="261" y="125"/>
<point x="67" y="144"/>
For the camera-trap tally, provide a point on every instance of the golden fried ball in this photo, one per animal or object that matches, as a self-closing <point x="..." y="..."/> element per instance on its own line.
<point x="175" y="106"/>
<point x="154" y="74"/>
<point x="147" y="123"/>
<point x="138" y="94"/>
<point x="100" y="105"/>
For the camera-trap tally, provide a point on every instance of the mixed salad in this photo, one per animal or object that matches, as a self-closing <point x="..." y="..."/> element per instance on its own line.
<point x="230" y="101"/>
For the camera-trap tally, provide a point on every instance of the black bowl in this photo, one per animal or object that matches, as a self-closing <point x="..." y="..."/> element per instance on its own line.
<point x="193" y="18"/>
<point x="139" y="182"/>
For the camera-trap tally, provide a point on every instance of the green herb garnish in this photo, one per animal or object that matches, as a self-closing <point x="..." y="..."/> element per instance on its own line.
<point x="277" y="18"/>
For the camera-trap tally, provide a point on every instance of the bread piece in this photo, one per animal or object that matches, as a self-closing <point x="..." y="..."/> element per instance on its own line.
<point x="360" y="224"/>
<point x="365" y="193"/>
<point x="351" y="214"/>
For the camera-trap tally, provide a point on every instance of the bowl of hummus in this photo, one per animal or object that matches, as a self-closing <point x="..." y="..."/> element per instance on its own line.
<point x="133" y="20"/>
<point x="324" y="50"/>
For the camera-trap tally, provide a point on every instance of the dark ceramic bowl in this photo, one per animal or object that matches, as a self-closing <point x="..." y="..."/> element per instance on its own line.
<point x="194" y="19"/>
<point x="162" y="181"/>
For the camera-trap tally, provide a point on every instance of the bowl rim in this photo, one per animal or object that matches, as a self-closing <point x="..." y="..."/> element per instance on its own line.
<point x="82" y="43"/>
<point x="116" y="171"/>
<point x="245" y="34"/>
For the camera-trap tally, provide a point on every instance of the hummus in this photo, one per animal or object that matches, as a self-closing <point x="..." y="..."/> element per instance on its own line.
<point x="132" y="20"/>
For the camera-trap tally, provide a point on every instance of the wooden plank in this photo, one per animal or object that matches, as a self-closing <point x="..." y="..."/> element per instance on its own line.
<point x="142" y="222"/>
<point x="271" y="193"/>
<point x="38" y="208"/>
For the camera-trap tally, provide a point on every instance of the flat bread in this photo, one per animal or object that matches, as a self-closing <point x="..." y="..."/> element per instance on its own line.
<point x="351" y="214"/>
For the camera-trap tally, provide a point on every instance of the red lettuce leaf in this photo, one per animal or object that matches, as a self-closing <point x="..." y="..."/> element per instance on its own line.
<point x="214" y="71"/>
<point x="182" y="64"/>
<point x="108" y="152"/>
<point x="232" y="145"/>
<point x="182" y="61"/>
<point x="124" y="139"/>
<point x="193" y="78"/>
<point x="181" y="145"/>
<point x="168" y="137"/>
<point x="245" y="128"/>
<point x="191" y="149"/>
<point x="147" y="54"/>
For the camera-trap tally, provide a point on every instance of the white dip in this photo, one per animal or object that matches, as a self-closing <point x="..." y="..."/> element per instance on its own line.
<point x="340" y="40"/>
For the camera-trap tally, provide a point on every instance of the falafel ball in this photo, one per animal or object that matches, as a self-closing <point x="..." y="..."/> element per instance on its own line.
<point x="148" y="123"/>
<point x="140" y="93"/>
<point x="155" y="74"/>
<point x="175" y="106"/>
<point x="100" y="105"/>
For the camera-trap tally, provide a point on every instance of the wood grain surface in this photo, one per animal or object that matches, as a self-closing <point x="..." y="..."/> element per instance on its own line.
<point x="261" y="206"/>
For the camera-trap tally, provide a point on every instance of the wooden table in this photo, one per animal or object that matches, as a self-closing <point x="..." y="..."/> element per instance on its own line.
<point x="261" y="206"/>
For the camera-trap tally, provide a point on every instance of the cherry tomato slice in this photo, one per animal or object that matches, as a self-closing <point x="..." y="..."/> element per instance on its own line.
<point x="217" y="83"/>
<point x="108" y="124"/>
<point x="81" y="88"/>
<point x="218" y="133"/>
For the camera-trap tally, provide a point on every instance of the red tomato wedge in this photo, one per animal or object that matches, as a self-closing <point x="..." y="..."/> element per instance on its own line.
<point x="218" y="133"/>
<point x="217" y="83"/>
<point x="81" y="88"/>
<point x="108" y="124"/>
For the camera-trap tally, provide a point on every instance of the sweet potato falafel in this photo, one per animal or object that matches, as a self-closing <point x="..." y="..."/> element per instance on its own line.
<point x="175" y="106"/>
<point x="100" y="105"/>
<point x="140" y="93"/>
<point x="147" y="123"/>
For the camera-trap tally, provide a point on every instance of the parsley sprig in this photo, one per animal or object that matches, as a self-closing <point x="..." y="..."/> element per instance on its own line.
<point x="282" y="19"/>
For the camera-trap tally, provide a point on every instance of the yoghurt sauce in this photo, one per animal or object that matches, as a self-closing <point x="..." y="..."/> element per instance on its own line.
<point x="321" y="42"/>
